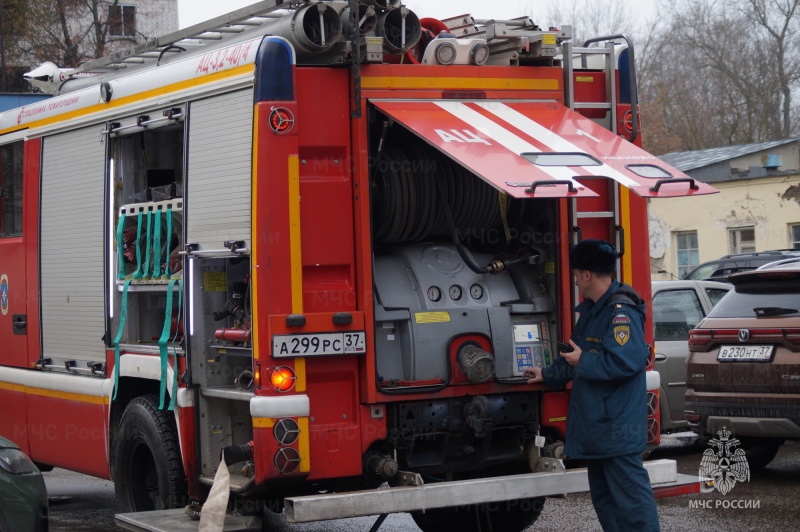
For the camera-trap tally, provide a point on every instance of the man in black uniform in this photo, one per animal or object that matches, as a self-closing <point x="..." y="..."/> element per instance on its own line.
<point x="607" y="418"/>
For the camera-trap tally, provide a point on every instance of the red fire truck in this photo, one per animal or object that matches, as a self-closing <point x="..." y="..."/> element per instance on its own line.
<point x="323" y="240"/>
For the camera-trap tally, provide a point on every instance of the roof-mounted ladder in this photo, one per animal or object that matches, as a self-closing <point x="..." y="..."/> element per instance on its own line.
<point x="219" y="29"/>
<point x="510" y="39"/>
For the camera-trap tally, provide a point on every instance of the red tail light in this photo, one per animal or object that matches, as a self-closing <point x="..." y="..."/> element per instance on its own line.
<point x="789" y="338"/>
<point x="705" y="339"/>
<point x="699" y="340"/>
<point x="627" y="121"/>
<point x="792" y="336"/>
<point x="766" y="333"/>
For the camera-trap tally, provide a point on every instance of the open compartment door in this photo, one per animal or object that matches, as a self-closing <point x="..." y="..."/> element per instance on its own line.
<point x="537" y="149"/>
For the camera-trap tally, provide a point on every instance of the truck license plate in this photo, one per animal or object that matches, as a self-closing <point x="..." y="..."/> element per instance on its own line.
<point x="306" y="345"/>
<point x="745" y="353"/>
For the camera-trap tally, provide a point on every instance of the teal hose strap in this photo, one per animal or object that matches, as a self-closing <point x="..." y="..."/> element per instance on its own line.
<point x="122" y="315"/>
<point x="168" y="245"/>
<point x="138" y="273"/>
<point x="120" y="247"/>
<point x="146" y="272"/>
<point x="173" y="399"/>
<point x="162" y="343"/>
<point x="157" y="246"/>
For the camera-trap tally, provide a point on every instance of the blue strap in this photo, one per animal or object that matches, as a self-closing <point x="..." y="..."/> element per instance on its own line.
<point x="162" y="343"/>
<point x="157" y="246"/>
<point x="138" y="273"/>
<point x="175" y="349"/>
<point x="120" y="246"/>
<point x="146" y="272"/>
<point x="122" y="315"/>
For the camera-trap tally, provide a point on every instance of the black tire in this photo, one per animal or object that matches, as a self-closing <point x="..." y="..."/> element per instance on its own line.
<point x="507" y="516"/>
<point x="148" y="470"/>
<point x="760" y="455"/>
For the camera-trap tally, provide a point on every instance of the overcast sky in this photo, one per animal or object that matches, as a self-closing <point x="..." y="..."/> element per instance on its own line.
<point x="191" y="12"/>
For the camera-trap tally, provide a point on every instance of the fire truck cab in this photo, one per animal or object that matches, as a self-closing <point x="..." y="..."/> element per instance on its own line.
<point x="315" y="246"/>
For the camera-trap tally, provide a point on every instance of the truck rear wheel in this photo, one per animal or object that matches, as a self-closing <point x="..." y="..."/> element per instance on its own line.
<point x="148" y="471"/>
<point x="508" y="516"/>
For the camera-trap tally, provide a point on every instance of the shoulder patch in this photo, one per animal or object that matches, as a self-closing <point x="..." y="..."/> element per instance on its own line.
<point x="620" y="319"/>
<point x="622" y="334"/>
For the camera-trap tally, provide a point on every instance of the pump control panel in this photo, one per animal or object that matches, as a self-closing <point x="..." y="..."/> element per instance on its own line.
<point x="531" y="346"/>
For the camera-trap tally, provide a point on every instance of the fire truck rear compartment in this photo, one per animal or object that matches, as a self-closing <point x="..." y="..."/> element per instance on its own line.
<point x="444" y="317"/>
<point x="439" y="230"/>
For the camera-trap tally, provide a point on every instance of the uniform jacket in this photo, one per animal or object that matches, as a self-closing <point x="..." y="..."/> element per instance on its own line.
<point x="608" y="404"/>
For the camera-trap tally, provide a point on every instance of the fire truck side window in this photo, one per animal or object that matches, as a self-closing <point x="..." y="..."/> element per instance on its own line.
<point x="11" y="190"/>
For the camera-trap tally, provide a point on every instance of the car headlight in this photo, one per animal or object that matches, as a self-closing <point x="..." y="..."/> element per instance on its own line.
<point x="16" y="462"/>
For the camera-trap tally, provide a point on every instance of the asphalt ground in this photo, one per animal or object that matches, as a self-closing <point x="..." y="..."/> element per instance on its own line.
<point x="768" y="501"/>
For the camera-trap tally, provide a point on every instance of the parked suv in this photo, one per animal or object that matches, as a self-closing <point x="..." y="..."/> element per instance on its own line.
<point x="743" y="370"/>
<point x="721" y="268"/>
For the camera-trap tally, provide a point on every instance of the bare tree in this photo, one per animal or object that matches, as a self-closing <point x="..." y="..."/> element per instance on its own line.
<point x="779" y="21"/>
<point x="13" y="17"/>
<point x="711" y="72"/>
<point x="590" y="18"/>
<point x="70" y="32"/>
<point x="716" y="79"/>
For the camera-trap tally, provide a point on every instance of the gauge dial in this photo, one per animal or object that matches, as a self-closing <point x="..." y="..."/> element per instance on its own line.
<point x="455" y="292"/>
<point x="434" y="294"/>
<point x="476" y="291"/>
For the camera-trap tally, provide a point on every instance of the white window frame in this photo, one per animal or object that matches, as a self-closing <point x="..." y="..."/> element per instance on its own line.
<point x="737" y="243"/>
<point x="794" y="236"/>
<point x="123" y="27"/>
<point x="683" y="269"/>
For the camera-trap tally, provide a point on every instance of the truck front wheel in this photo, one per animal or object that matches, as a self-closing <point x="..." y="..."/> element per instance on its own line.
<point x="508" y="516"/>
<point x="148" y="471"/>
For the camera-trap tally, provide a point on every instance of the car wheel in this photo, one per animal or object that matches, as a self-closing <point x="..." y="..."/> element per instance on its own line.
<point x="759" y="455"/>
<point x="148" y="471"/>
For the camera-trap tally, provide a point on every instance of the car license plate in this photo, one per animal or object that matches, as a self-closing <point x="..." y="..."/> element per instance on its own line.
<point x="745" y="353"/>
<point x="306" y="345"/>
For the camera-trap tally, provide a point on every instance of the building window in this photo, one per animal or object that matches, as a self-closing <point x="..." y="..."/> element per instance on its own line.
<point x="688" y="255"/>
<point x="742" y="240"/>
<point x="122" y="21"/>
<point x="794" y="234"/>
<point x="11" y="190"/>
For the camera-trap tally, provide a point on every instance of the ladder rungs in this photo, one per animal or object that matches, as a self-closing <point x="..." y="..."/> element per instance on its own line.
<point x="577" y="52"/>
<point x="596" y="214"/>
<point x="592" y="105"/>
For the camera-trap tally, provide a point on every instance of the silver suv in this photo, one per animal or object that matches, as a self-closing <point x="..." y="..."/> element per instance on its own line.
<point x="677" y="307"/>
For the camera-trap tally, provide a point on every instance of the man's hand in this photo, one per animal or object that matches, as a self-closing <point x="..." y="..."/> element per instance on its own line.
<point x="573" y="356"/>
<point x="535" y="373"/>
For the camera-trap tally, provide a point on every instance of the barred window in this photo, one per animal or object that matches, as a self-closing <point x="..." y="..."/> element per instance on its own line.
<point x="742" y="240"/>
<point x="688" y="254"/>
<point x="122" y="21"/>
<point x="11" y="190"/>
